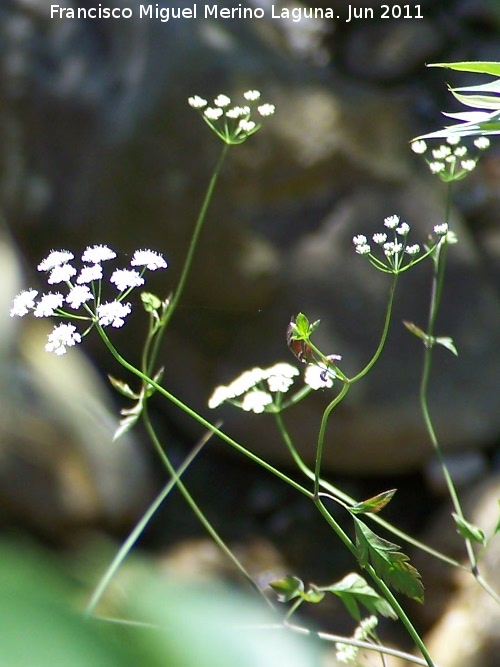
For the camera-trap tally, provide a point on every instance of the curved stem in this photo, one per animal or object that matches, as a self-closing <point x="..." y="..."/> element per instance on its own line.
<point x="172" y="306"/>
<point x="321" y="435"/>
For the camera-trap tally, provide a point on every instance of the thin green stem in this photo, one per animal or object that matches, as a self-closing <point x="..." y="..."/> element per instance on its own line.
<point x="141" y="525"/>
<point x="174" y="302"/>
<point x="439" y="263"/>
<point x="201" y="420"/>
<point x="199" y="513"/>
<point x="349" y="501"/>
<point x="321" y="435"/>
<point x="386" y="591"/>
<point x="383" y="337"/>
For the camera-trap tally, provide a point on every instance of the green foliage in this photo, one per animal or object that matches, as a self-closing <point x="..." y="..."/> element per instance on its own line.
<point x="483" y="98"/>
<point x="389" y="563"/>
<point x="353" y="590"/>
<point x="373" y="505"/>
<point x="469" y="530"/>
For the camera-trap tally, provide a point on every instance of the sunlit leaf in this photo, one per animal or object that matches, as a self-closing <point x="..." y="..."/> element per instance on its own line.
<point x="469" y="530"/>
<point x="373" y="505"/>
<point x="389" y="563"/>
<point x="481" y="67"/>
<point x="353" y="590"/>
<point x="123" y="388"/>
<point x="287" y="588"/>
<point x="477" y="101"/>
<point x="447" y="342"/>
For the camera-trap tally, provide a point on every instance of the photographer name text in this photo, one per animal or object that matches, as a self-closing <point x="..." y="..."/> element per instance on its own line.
<point x="296" y="14"/>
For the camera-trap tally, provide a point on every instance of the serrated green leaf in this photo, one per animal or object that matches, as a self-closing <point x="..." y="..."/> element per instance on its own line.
<point x="481" y="67"/>
<point x="469" y="530"/>
<point x="448" y="343"/>
<point x="123" y="388"/>
<point x="374" y="504"/>
<point x="354" y="590"/>
<point x="389" y="563"/>
<point x="287" y="588"/>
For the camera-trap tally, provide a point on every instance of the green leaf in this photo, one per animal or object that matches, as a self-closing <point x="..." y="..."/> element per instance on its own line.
<point x="389" y="563"/>
<point x="469" y="530"/>
<point x="497" y="527"/>
<point x="150" y="302"/>
<point x="374" y="504"/>
<point x="477" y="101"/>
<point x="481" y="67"/>
<point x="448" y="343"/>
<point x="353" y="590"/>
<point x="123" y="388"/>
<point x="287" y="588"/>
<point x="291" y="587"/>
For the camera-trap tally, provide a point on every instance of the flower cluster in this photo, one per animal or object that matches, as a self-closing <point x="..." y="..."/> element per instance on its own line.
<point x="232" y="123"/>
<point x="451" y="161"/>
<point x="84" y="289"/>
<point x="347" y="653"/>
<point x="261" y="389"/>
<point x="394" y="249"/>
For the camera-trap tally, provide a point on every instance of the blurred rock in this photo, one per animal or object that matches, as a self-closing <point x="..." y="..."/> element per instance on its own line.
<point x="100" y="146"/>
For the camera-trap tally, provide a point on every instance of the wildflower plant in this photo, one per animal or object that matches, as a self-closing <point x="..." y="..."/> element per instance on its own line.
<point x="79" y="299"/>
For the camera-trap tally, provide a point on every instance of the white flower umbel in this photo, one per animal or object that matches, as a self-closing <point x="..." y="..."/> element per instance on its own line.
<point x="78" y="295"/>
<point x="98" y="253"/>
<point x="233" y="123"/>
<point x="318" y="376"/>
<point x="84" y="292"/>
<point x="23" y="303"/>
<point x="392" y="221"/>
<point x="61" y="274"/>
<point x="126" y="279"/>
<point x="48" y="304"/>
<point x="62" y="336"/>
<point x="90" y="273"/>
<point x="442" y="229"/>
<point x="113" y="313"/>
<point x="256" y="401"/>
<point x="150" y="259"/>
<point x="55" y="258"/>
<point x="280" y="377"/>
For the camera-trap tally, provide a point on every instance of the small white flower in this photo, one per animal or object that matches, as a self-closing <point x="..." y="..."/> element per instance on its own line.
<point x="360" y="239"/>
<point x="441" y="230"/>
<point x="379" y="238"/>
<point x="247" y="380"/>
<point x="222" y="100"/>
<point x="419" y="146"/>
<point x="256" y="401"/>
<point x="468" y="165"/>
<point x="246" y="125"/>
<point x="55" y="258"/>
<point x="237" y="112"/>
<point x="149" y="258"/>
<point x="125" y="278"/>
<point x="441" y="152"/>
<point x="113" y="313"/>
<point x="412" y="249"/>
<point x="266" y="109"/>
<point x="218" y="397"/>
<point x="363" y="249"/>
<point x="392" y="221"/>
<point x="97" y="253"/>
<point x="251" y="95"/>
<point x="212" y="114"/>
<point x="78" y="295"/>
<point x="280" y="377"/>
<point x="197" y="102"/>
<point x="317" y="376"/>
<point x="23" y="303"/>
<point x="90" y="273"/>
<point x="391" y="248"/>
<point x="48" y="303"/>
<point x="61" y="274"/>
<point x="436" y="167"/>
<point x="62" y="336"/>
<point x="482" y="143"/>
<point x="460" y="151"/>
<point x="403" y="229"/>
<point x="454" y="139"/>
